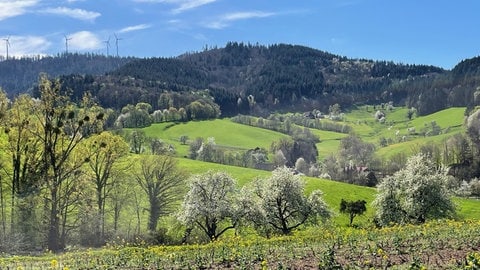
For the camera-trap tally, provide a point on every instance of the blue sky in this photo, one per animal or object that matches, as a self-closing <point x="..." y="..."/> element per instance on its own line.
<point x="441" y="32"/>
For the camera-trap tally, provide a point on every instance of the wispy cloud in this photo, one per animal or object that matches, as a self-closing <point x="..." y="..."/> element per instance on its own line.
<point x="182" y="5"/>
<point x="75" y="13"/>
<point x="134" y="28"/>
<point x="227" y="19"/>
<point x="12" y="8"/>
<point x="28" y="45"/>
<point x="191" y="4"/>
<point x="84" y="40"/>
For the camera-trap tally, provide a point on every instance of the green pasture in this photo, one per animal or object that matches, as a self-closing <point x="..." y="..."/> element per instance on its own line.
<point x="226" y="133"/>
<point x="232" y="135"/>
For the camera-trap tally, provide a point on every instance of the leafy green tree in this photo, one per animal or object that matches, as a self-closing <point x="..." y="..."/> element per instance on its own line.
<point x="103" y="152"/>
<point x="211" y="204"/>
<point x="183" y="139"/>
<point x="353" y="149"/>
<point x="62" y="128"/>
<point x="24" y="151"/>
<point x="281" y="203"/>
<point x="415" y="194"/>
<point x="162" y="181"/>
<point x="285" y="145"/>
<point x="353" y="208"/>
<point x="411" y="112"/>
<point x="137" y="140"/>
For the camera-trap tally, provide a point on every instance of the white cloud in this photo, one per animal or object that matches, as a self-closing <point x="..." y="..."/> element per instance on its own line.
<point x="27" y="46"/>
<point x="191" y="4"/>
<point x="75" y="13"/>
<point x="182" y="5"/>
<point x="134" y="28"/>
<point x="12" y="8"/>
<point x="84" y="40"/>
<point x="226" y="19"/>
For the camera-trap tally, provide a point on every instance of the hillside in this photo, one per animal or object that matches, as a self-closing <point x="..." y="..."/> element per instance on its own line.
<point x="20" y="75"/>
<point x="252" y="79"/>
<point x="277" y="77"/>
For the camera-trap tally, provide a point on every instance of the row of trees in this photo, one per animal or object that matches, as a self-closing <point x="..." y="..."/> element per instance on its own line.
<point x="278" y="204"/>
<point x="67" y="178"/>
<point x="142" y="114"/>
<point x="41" y="137"/>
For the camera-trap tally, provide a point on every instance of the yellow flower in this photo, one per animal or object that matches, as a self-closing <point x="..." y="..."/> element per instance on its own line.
<point x="53" y="264"/>
<point x="264" y="265"/>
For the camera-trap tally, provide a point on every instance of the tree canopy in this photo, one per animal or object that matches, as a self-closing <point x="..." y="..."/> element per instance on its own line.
<point x="414" y="194"/>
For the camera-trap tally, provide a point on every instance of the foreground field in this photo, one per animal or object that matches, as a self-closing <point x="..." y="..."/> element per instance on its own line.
<point x="443" y="244"/>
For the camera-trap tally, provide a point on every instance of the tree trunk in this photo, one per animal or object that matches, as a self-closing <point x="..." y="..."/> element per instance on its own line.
<point x="53" y="240"/>
<point x="116" y="215"/>
<point x="100" y="206"/>
<point x="154" y="215"/>
<point x="2" y="203"/>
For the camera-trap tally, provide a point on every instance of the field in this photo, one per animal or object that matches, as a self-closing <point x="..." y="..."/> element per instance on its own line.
<point x="446" y="244"/>
<point x="443" y="244"/>
<point x="226" y="133"/>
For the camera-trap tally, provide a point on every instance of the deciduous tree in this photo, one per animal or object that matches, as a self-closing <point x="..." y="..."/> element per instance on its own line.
<point x="162" y="181"/>
<point x="414" y="194"/>
<point x="62" y="127"/>
<point x="283" y="204"/>
<point x="102" y="152"/>
<point x="211" y="204"/>
<point x="353" y="208"/>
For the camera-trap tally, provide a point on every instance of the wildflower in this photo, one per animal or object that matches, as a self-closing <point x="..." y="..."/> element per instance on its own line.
<point x="53" y="264"/>
<point x="264" y="265"/>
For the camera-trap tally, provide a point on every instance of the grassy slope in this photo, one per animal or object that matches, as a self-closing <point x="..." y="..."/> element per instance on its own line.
<point x="225" y="132"/>
<point x="333" y="191"/>
<point x="233" y="135"/>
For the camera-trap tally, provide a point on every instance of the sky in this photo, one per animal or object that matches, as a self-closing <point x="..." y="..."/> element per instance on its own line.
<point x="430" y="32"/>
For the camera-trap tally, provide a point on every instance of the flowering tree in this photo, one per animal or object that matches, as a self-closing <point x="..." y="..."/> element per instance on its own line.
<point x="282" y="204"/>
<point x="211" y="204"/>
<point x="414" y="194"/>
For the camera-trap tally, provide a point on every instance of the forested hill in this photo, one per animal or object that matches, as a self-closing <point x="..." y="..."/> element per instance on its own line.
<point x="275" y="77"/>
<point x="255" y="79"/>
<point x="20" y="75"/>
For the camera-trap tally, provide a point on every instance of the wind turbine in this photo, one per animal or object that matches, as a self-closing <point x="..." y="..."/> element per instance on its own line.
<point x="7" y="44"/>
<point x="66" y="43"/>
<point x="116" y="42"/>
<point x="107" y="43"/>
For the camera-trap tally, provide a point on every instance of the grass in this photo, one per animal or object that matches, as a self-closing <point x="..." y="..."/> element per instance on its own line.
<point x="333" y="191"/>
<point x="444" y="244"/>
<point x="232" y="135"/>
<point x="226" y="134"/>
